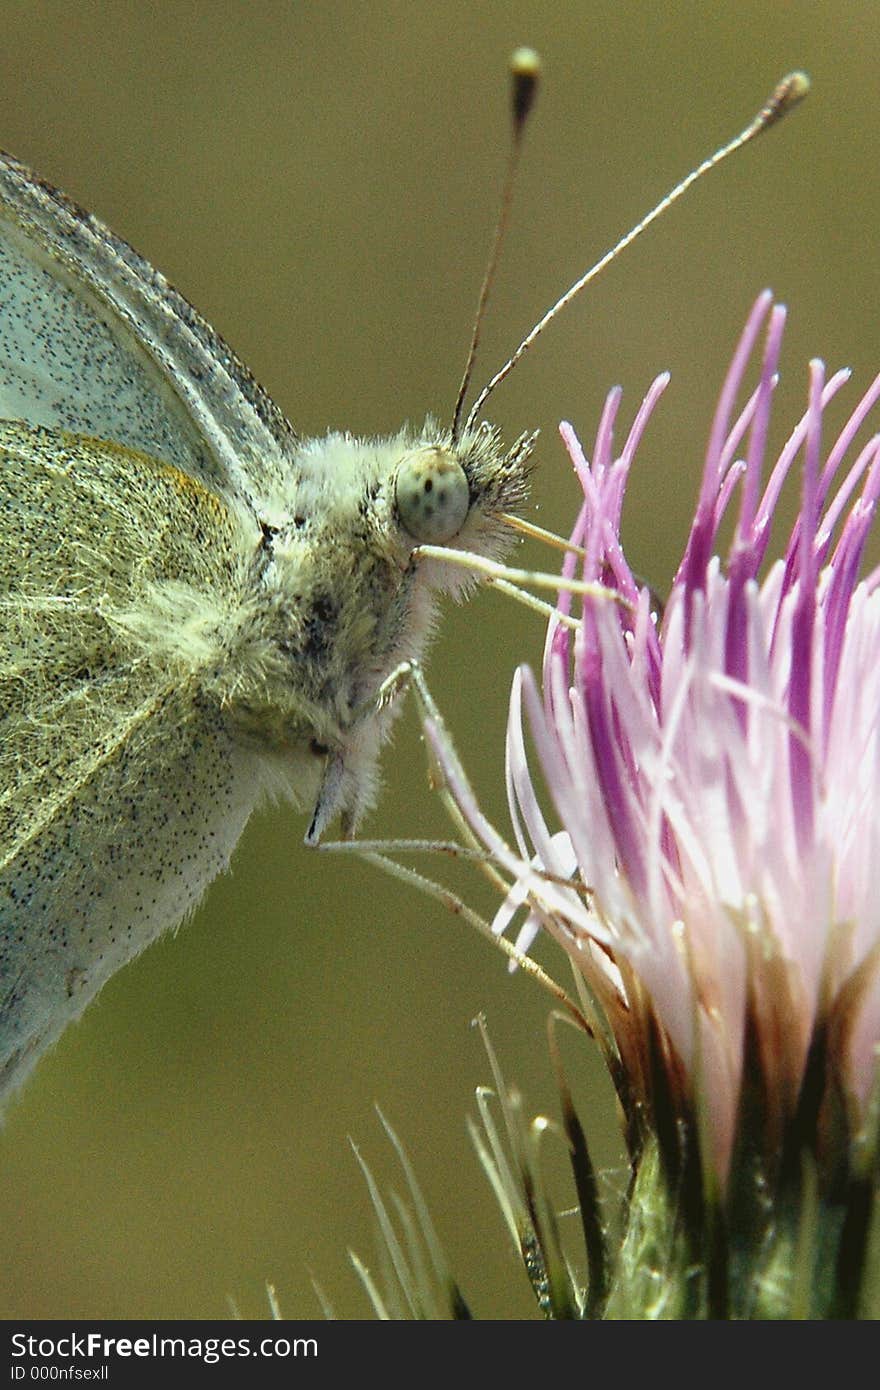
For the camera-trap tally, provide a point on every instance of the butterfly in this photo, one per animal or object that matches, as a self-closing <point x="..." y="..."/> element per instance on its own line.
<point x="198" y="608"/>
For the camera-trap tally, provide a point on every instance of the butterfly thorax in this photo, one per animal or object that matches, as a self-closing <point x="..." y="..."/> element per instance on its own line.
<point x="339" y="593"/>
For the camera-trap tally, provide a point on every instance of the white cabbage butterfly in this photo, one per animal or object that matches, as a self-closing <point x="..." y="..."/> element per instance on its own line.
<point x="196" y="606"/>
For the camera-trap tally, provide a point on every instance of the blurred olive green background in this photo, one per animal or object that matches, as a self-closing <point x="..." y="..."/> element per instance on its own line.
<point x="320" y="179"/>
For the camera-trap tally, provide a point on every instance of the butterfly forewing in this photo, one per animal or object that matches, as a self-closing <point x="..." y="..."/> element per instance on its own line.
<point x="95" y="340"/>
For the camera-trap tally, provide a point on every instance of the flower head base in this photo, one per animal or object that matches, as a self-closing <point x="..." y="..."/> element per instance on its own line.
<point x="717" y="777"/>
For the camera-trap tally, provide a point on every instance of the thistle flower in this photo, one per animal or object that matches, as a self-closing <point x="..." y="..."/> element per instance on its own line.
<point x="715" y="773"/>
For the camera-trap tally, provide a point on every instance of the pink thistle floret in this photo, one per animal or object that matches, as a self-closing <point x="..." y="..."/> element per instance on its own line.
<point x="716" y="773"/>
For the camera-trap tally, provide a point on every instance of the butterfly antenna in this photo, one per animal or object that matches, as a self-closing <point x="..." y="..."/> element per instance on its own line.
<point x="525" y="72"/>
<point x="791" y="90"/>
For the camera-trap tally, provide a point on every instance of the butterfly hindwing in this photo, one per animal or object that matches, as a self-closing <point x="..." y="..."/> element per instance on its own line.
<point x="103" y="641"/>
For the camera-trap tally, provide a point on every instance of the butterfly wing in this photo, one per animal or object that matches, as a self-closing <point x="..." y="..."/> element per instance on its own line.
<point x="94" y="340"/>
<point x="121" y="792"/>
<point x="135" y="451"/>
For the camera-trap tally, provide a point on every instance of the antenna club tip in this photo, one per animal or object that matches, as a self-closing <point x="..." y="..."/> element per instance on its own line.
<point x="525" y="73"/>
<point x="525" y="61"/>
<point x="786" y="95"/>
<point x="796" y="85"/>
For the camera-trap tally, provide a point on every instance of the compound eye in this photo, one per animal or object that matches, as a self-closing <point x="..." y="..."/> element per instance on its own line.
<point x="433" y="495"/>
